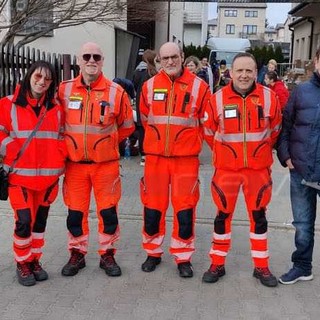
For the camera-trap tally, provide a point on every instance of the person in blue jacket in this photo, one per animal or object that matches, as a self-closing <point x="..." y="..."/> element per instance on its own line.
<point x="299" y="149"/>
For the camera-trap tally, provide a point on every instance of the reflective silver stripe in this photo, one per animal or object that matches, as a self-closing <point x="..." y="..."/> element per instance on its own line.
<point x="38" y="134"/>
<point x="143" y="117"/>
<point x="219" y="103"/>
<point x="150" y="83"/>
<point x="67" y="90"/>
<point x="267" y="101"/>
<point x="127" y="124"/>
<point x="259" y="254"/>
<point x="112" y="97"/>
<point x="38" y="172"/>
<point x="14" y="118"/>
<point x="180" y="121"/>
<point x="226" y="236"/>
<point x="2" y="128"/>
<point x="4" y="143"/>
<point x="256" y="236"/>
<point x="208" y="132"/>
<point x="277" y="127"/>
<point x="218" y="253"/>
<point x="79" y="128"/>
<point x="238" y="137"/>
<point x="195" y="92"/>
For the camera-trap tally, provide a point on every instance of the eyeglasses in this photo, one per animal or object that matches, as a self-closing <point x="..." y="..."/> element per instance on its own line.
<point x="87" y="56"/>
<point x="39" y="77"/>
<point x="173" y="58"/>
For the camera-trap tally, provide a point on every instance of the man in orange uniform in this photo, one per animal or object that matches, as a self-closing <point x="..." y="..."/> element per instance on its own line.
<point x="98" y="117"/>
<point x="172" y="106"/>
<point x="243" y="123"/>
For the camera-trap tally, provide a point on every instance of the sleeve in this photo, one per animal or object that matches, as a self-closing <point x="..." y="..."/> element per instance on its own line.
<point x="283" y="151"/>
<point x="283" y="95"/>
<point x="143" y="105"/>
<point x="210" y="123"/>
<point x="9" y="147"/>
<point x="125" y="118"/>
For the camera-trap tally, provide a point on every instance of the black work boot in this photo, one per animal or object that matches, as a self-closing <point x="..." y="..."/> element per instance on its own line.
<point x="25" y="275"/>
<point x="39" y="273"/>
<point x="150" y="264"/>
<point x="214" y="273"/>
<point x="108" y="263"/>
<point x="265" y="277"/>
<point x="185" y="269"/>
<point x="75" y="263"/>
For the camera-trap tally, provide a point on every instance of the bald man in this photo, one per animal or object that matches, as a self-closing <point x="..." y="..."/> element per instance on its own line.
<point x="172" y="107"/>
<point x="98" y="117"/>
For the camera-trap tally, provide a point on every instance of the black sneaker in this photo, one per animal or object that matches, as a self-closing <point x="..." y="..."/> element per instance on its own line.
<point x="75" y="263"/>
<point x="265" y="277"/>
<point x="39" y="273"/>
<point x="150" y="264"/>
<point x="185" y="269"/>
<point x="214" y="273"/>
<point x="25" y="275"/>
<point x="108" y="263"/>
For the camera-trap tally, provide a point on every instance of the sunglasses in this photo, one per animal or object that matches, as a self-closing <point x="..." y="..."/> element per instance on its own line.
<point x="87" y="56"/>
<point x="38" y="77"/>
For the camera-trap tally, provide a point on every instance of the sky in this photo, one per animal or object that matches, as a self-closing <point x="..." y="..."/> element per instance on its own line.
<point x="276" y="12"/>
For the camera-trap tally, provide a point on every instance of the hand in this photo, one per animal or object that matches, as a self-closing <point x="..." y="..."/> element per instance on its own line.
<point x="289" y="164"/>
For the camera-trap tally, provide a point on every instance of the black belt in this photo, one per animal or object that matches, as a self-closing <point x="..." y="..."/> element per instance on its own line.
<point x="83" y="162"/>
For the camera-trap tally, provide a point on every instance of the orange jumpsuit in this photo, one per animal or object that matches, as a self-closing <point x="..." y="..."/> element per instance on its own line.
<point x="172" y="114"/>
<point x="97" y="119"/>
<point x="33" y="183"/>
<point x="242" y="132"/>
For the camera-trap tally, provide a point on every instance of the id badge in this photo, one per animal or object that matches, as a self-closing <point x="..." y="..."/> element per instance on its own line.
<point x="75" y="105"/>
<point x="230" y="112"/>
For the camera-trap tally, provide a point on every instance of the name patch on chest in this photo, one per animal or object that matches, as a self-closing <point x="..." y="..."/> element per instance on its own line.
<point x="230" y="111"/>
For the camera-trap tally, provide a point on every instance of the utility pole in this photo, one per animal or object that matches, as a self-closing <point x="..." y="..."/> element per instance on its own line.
<point x="168" y="24"/>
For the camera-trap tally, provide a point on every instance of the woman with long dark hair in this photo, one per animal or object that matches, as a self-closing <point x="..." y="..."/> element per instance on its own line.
<point x="33" y="151"/>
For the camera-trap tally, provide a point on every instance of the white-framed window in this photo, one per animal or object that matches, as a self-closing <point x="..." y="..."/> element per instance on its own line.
<point x="230" y="29"/>
<point x="230" y="13"/>
<point x="249" y="29"/>
<point x="251" y="14"/>
<point x="37" y="22"/>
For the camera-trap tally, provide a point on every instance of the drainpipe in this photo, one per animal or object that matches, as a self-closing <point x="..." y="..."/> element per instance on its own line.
<point x="311" y="37"/>
<point x="292" y="44"/>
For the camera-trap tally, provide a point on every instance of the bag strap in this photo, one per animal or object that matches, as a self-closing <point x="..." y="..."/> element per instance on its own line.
<point x="26" y="143"/>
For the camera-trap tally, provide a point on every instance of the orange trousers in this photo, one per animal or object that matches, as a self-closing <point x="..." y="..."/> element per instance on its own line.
<point x="80" y="179"/>
<point x="178" y="177"/>
<point x="256" y="186"/>
<point x="31" y="210"/>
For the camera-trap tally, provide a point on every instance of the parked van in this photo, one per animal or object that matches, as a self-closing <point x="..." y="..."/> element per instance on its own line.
<point x="226" y="48"/>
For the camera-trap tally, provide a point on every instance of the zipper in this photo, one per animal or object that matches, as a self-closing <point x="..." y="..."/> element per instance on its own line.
<point x="244" y="118"/>
<point x="86" y="116"/>
<point x="166" y="149"/>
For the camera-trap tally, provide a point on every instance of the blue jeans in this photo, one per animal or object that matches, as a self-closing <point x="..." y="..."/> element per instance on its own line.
<point x="304" y="207"/>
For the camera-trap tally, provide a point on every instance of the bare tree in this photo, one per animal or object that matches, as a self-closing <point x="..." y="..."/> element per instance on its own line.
<point x="33" y="19"/>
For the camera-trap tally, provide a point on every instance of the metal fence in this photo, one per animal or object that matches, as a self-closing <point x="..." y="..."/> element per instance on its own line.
<point x="14" y="63"/>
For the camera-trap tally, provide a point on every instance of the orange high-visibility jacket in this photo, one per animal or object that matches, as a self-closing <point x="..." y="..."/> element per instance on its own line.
<point x="242" y="130"/>
<point x="97" y="119"/>
<point x="42" y="162"/>
<point x="172" y="114"/>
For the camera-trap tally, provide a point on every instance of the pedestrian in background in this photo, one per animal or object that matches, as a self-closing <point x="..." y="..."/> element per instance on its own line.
<point x="224" y="74"/>
<point x="272" y="81"/>
<point x="33" y="151"/>
<point x="98" y="117"/>
<point x="243" y="124"/>
<point x="172" y="107"/>
<point x="194" y="66"/>
<point x="298" y="149"/>
<point x="144" y="71"/>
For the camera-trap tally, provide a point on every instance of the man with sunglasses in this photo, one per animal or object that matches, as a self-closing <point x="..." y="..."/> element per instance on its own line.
<point x="98" y="117"/>
<point x="172" y="108"/>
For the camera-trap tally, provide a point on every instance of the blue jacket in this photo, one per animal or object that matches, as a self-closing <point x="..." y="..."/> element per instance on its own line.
<point x="300" y="135"/>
